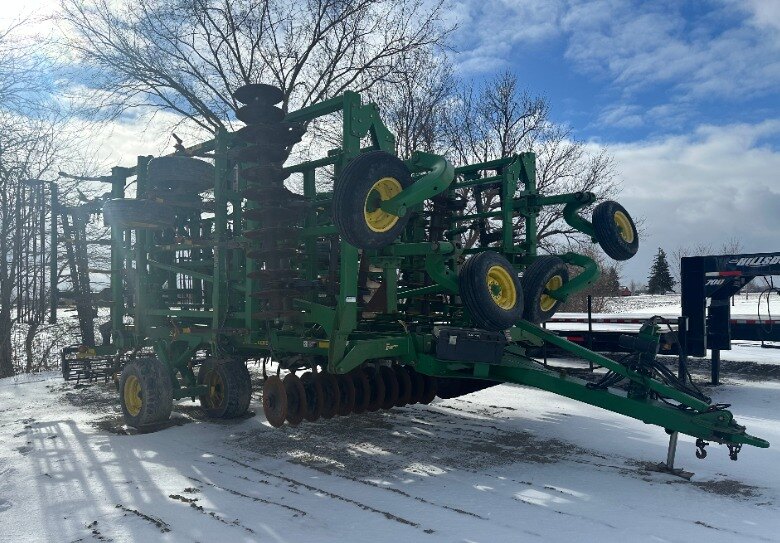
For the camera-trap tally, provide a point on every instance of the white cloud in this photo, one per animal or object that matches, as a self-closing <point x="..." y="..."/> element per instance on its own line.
<point x="717" y="183"/>
<point x="729" y="50"/>
<point x="489" y="30"/>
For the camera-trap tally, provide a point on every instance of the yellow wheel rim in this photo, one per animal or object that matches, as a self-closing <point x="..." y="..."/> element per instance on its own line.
<point x="501" y="287"/>
<point x="624" y="225"/>
<point x="547" y="302"/>
<point x="216" y="392"/>
<point x="132" y="394"/>
<point x="376" y="218"/>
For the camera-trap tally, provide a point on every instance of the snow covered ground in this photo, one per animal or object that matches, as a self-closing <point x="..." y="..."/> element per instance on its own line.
<point x="507" y="463"/>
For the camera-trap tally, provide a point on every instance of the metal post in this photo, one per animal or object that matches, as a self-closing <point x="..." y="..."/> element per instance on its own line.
<point x="715" y="367"/>
<point x="671" y="451"/>
<point x="53" y="288"/>
<point x="682" y="334"/>
<point x="590" y="328"/>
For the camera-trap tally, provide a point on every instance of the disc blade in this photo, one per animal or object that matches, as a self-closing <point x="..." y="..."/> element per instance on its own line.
<point x="330" y="394"/>
<point x="362" y="391"/>
<point x="391" y="386"/>
<point x="377" y="387"/>
<point x="314" y="396"/>
<point x="296" y="399"/>
<point x="274" y="401"/>
<point x="404" y="386"/>
<point x="346" y="395"/>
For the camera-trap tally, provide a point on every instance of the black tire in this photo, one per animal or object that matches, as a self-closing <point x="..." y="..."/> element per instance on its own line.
<point x="145" y="392"/>
<point x="131" y="213"/>
<point x="491" y="291"/>
<point x="615" y="230"/>
<point x="354" y="195"/>
<point x="546" y="272"/>
<point x="230" y="388"/>
<point x="180" y="173"/>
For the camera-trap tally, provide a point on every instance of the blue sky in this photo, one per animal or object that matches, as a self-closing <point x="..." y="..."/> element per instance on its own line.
<point x="684" y="94"/>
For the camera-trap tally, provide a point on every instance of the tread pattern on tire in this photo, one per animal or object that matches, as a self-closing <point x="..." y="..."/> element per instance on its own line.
<point x="156" y="390"/>
<point x="476" y="297"/>
<point x="238" y="387"/>
<point x="607" y="233"/>
<point x="349" y="195"/>
<point x="534" y="280"/>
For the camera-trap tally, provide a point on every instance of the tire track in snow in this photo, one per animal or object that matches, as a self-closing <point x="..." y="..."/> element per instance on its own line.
<point x="333" y="495"/>
<point x="253" y="498"/>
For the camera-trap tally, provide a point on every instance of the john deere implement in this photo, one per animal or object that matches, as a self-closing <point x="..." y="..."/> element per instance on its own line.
<point x="357" y="283"/>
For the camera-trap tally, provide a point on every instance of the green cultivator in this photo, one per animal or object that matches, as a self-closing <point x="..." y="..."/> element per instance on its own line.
<point x="359" y="283"/>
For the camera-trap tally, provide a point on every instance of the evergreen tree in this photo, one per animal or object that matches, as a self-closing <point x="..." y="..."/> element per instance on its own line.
<point x="660" y="280"/>
<point x="612" y="282"/>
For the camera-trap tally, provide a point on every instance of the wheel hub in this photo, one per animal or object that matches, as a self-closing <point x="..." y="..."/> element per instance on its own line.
<point x="377" y="219"/>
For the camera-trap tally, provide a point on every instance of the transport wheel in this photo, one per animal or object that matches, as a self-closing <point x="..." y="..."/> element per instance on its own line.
<point x="491" y="291"/>
<point x="229" y="388"/>
<point x="391" y="386"/>
<point x="296" y="399"/>
<point x="615" y="230"/>
<point x="181" y="174"/>
<point x="377" y="388"/>
<point x="545" y="274"/>
<point x="330" y="394"/>
<point x="346" y="395"/>
<point x="146" y="392"/>
<point x="367" y="181"/>
<point x="418" y="385"/>
<point x="131" y="213"/>
<point x="429" y="392"/>
<point x="274" y="401"/>
<point x="362" y="391"/>
<point x="404" y="386"/>
<point x="314" y="396"/>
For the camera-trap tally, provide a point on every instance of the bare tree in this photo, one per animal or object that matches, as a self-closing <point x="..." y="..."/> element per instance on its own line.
<point x="28" y="149"/>
<point x="731" y="246"/>
<point x="415" y="106"/>
<point x="188" y="56"/>
<point x="499" y="119"/>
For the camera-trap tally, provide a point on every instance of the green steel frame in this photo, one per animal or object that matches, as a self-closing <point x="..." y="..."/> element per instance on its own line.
<point x="217" y="312"/>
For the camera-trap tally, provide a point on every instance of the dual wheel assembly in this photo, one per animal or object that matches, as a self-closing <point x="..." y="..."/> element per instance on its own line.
<point x="497" y="298"/>
<point x="325" y="395"/>
<point x="146" y="390"/>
